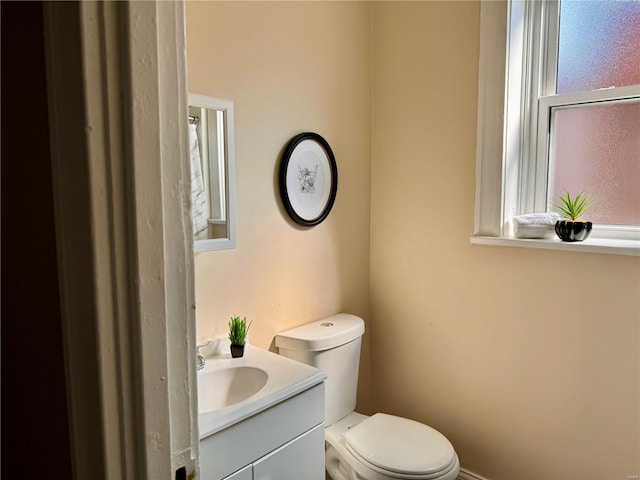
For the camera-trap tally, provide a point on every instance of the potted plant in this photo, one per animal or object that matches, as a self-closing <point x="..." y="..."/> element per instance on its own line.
<point x="238" y="330"/>
<point x="573" y="228"/>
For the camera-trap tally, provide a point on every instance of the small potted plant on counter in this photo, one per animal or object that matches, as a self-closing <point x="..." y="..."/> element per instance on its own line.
<point x="238" y="330"/>
<point x="572" y="228"/>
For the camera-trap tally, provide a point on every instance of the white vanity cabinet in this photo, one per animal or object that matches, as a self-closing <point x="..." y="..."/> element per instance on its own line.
<point x="245" y="474"/>
<point x="297" y="459"/>
<point x="285" y="441"/>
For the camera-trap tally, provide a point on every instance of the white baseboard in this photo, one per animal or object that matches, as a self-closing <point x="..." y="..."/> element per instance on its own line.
<point x="467" y="475"/>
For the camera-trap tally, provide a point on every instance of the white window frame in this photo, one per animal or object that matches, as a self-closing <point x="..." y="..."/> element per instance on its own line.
<point x="515" y="98"/>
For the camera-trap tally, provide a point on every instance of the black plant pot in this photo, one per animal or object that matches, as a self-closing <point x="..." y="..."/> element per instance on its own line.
<point x="570" y="231"/>
<point x="237" y="350"/>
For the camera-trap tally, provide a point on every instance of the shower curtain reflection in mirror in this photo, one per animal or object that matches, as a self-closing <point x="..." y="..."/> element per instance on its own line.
<point x="199" y="210"/>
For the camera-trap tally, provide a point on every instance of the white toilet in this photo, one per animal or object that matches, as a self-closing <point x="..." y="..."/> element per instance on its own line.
<point x="358" y="447"/>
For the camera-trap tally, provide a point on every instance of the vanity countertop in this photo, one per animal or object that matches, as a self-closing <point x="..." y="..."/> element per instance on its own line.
<point x="285" y="379"/>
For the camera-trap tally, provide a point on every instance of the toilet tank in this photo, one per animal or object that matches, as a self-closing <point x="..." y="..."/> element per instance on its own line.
<point x="332" y="345"/>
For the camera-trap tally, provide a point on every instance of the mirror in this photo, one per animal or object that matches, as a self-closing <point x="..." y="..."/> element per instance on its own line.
<point x="211" y="152"/>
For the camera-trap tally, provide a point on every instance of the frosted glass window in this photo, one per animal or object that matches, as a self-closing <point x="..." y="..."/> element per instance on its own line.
<point x="597" y="148"/>
<point x="599" y="45"/>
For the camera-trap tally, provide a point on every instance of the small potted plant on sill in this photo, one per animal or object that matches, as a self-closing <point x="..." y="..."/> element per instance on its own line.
<point x="238" y="330"/>
<point x="573" y="228"/>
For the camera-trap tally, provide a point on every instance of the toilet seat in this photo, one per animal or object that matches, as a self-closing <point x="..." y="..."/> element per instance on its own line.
<point x="401" y="448"/>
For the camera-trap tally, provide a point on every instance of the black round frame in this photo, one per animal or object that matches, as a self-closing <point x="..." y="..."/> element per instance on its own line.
<point x="284" y="165"/>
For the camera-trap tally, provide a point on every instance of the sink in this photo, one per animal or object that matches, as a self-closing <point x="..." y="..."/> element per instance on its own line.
<point x="231" y="390"/>
<point x="225" y="387"/>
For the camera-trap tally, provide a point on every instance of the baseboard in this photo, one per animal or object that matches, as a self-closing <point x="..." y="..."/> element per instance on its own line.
<point x="467" y="475"/>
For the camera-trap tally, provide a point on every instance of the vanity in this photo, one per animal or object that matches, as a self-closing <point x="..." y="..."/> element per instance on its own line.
<point x="260" y="416"/>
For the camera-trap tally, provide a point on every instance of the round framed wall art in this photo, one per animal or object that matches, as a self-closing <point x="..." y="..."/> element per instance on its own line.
<point x="308" y="179"/>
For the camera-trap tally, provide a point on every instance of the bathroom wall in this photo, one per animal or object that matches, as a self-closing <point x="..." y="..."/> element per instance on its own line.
<point x="289" y="67"/>
<point x="528" y="360"/>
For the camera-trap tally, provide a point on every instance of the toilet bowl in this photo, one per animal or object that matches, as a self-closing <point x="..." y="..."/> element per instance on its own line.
<point x="423" y="453"/>
<point x="359" y="447"/>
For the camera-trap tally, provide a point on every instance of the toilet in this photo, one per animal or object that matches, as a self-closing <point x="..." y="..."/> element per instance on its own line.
<point x="361" y="447"/>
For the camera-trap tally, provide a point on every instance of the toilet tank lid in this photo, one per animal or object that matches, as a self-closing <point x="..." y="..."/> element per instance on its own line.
<point x="322" y="334"/>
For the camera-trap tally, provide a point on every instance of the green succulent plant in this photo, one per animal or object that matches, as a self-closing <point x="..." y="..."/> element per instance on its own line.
<point x="574" y="207"/>
<point x="238" y="330"/>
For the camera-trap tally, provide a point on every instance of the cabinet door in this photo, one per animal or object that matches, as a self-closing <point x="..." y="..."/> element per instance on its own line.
<point x="300" y="459"/>
<point x="244" y="474"/>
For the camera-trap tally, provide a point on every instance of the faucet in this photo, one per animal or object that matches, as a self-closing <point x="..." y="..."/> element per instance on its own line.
<point x="200" y="360"/>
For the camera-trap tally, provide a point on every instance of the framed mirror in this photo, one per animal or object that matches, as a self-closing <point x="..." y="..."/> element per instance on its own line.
<point x="211" y="150"/>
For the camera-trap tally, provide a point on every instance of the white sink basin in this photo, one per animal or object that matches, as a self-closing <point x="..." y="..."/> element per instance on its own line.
<point x="222" y="388"/>
<point x="233" y="389"/>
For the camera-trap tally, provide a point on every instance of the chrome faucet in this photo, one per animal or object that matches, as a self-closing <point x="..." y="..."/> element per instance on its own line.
<point x="200" y="360"/>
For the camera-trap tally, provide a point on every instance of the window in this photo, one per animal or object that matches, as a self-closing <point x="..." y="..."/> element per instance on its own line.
<point x="563" y="112"/>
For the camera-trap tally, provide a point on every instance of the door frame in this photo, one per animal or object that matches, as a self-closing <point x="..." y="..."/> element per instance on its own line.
<point x="116" y="76"/>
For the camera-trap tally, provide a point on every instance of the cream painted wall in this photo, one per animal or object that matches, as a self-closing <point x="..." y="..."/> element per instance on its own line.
<point x="527" y="360"/>
<point x="289" y="67"/>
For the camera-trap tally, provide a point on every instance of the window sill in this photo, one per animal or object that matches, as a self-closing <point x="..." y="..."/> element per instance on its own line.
<point x="590" y="245"/>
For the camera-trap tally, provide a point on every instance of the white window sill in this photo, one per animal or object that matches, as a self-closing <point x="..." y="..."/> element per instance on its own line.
<point x="590" y="245"/>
